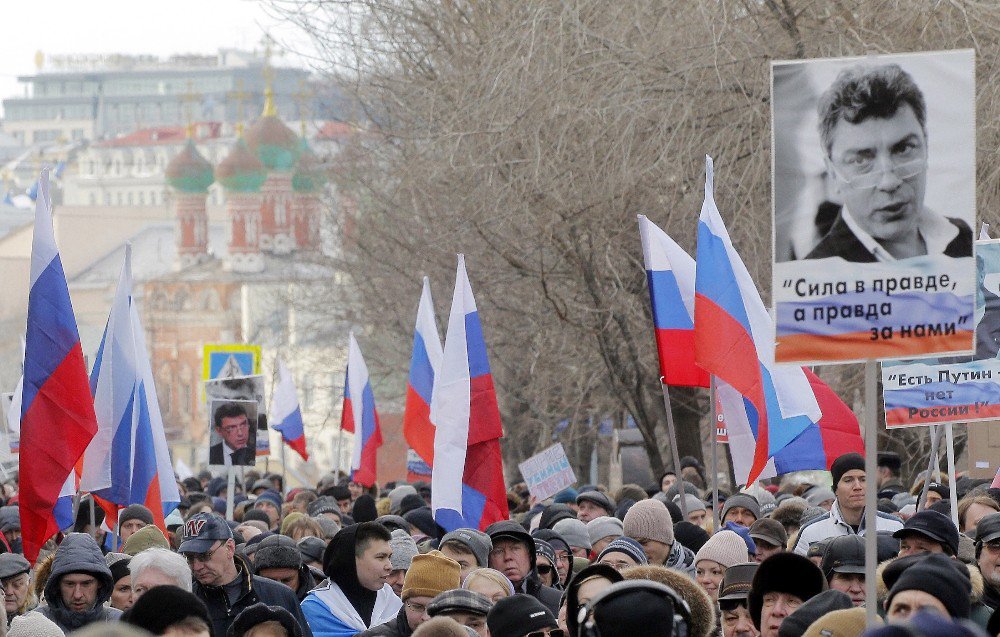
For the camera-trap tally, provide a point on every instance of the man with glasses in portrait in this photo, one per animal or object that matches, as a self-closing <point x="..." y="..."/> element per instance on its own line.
<point x="237" y="444"/>
<point x="223" y="581"/>
<point x="874" y="134"/>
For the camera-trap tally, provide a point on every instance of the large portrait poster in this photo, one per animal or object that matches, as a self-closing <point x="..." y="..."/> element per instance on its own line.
<point x="874" y="204"/>
<point x="938" y="391"/>
<point x="242" y="388"/>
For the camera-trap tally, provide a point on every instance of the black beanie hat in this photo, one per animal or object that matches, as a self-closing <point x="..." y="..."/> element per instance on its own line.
<point x="519" y="615"/>
<point x="135" y="512"/>
<point x="409" y="502"/>
<point x="826" y="602"/>
<point x="276" y="551"/>
<point x="690" y="535"/>
<point x="258" y="614"/>
<point x="364" y="509"/>
<point x="939" y="576"/>
<point x="845" y="463"/>
<point x="676" y="515"/>
<point x="162" y="606"/>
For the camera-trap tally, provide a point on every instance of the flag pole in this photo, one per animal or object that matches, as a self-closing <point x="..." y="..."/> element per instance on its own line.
<point x="932" y="466"/>
<point x="284" y="469"/>
<point x="230" y="488"/>
<point x="871" y="469"/>
<point x="715" y="458"/>
<point x="952" y="488"/>
<point x="672" y="434"/>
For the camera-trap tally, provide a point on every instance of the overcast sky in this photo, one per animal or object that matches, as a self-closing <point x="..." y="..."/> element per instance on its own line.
<point x="158" y="27"/>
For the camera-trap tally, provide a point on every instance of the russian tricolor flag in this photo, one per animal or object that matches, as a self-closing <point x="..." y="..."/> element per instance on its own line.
<point x="425" y="363"/>
<point x="286" y="417"/>
<point x="128" y="461"/>
<point x="734" y="341"/>
<point x="467" y="484"/>
<point x="360" y="417"/>
<point x="670" y="272"/>
<point x="57" y="412"/>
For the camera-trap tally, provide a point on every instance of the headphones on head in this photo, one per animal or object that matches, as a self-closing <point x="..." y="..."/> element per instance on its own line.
<point x="680" y="609"/>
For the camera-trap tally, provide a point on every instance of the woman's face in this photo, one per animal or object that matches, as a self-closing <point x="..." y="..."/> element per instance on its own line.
<point x="487" y="587"/>
<point x="546" y="571"/>
<point x="709" y="574"/>
<point x="121" y="594"/>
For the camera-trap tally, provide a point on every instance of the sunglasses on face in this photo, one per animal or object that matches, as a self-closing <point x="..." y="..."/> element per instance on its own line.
<point x="544" y="569"/>
<point x="202" y="557"/>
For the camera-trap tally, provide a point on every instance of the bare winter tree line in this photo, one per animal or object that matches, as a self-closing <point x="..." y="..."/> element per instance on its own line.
<point x="528" y="135"/>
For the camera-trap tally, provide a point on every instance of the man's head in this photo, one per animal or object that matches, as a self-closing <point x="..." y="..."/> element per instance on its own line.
<point x="80" y="578"/>
<point x="769" y="537"/>
<point x="844" y="566"/>
<point x="404" y="549"/>
<point x="168" y="610"/>
<point x="429" y="576"/>
<point x="209" y="548"/>
<point x="469" y="547"/>
<point x="278" y="558"/>
<point x="232" y="424"/>
<point x="158" y="567"/>
<point x="781" y="584"/>
<point x="14" y="575"/>
<point x="603" y="531"/>
<point x="513" y="552"/>
<point x="848" y="472"/>
<point x="593" y="504"/>
<point x="372" y="555"/>
<point x="466" y="607"/>
<point x="736" y="619"/>
<point x="927" y="532"/>
<point x="889" y="465"/>
<point x="648" y="522"/>
<point x="741" y="508"/>
<point x="934" y="581"/>
<point x="133" y="518"/>
<point x="988" y="548"/>
<point x="575" y="534"/>
<point x="873" y="128"/>
<point x="270" y="503"/>
<point x="519" y="615"/>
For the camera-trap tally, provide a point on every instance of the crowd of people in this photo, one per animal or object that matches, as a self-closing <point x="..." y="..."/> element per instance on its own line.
<point x="784" y="560"/>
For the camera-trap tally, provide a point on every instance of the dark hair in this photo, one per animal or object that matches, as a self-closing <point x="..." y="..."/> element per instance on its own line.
<point x="367" y="533"/>
<point x="861" y="92"/>
<point x="228" y="410"/>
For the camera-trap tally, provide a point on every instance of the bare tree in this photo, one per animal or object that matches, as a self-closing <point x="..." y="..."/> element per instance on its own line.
<point x="529" y="134"/>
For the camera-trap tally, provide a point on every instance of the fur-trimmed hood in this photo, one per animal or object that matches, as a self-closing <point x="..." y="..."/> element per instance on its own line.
<point x="703" y="618"/>
<point x="974" y="576"/>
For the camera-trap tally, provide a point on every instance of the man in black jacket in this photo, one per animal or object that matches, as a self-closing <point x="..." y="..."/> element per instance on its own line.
<point x="225" y="583"/>
<point x="513" y="555"/>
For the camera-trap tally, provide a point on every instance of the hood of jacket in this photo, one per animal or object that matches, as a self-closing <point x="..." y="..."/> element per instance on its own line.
<point x="975" y="577"/>
<point x="78" y="553"/>
<point x="702" y="608"/>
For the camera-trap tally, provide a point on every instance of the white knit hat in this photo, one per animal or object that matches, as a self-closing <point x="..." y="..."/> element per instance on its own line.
<point x="33" y="625"/>
<point x="726" y="548"/>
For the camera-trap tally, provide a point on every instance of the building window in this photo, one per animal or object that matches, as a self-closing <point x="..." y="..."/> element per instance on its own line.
<point x="93" y="199"/>
<point x="142" y="198"/>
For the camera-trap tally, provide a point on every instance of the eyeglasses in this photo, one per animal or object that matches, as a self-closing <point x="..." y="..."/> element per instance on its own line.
<point x="202" y="557"/>
<point x="544" y="569"/>
<point x="863" y="174"/>
<point x="552" y="632"/>
<point x="416" y="608"/>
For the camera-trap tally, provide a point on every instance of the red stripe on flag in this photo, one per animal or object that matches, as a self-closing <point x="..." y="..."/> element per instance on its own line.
<point x="677" y="362"/>
<point x="55" y="431"/>
<point x="724" y="348"/>
<point x="839" y="426"/>
<point x="417" y="427"/>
